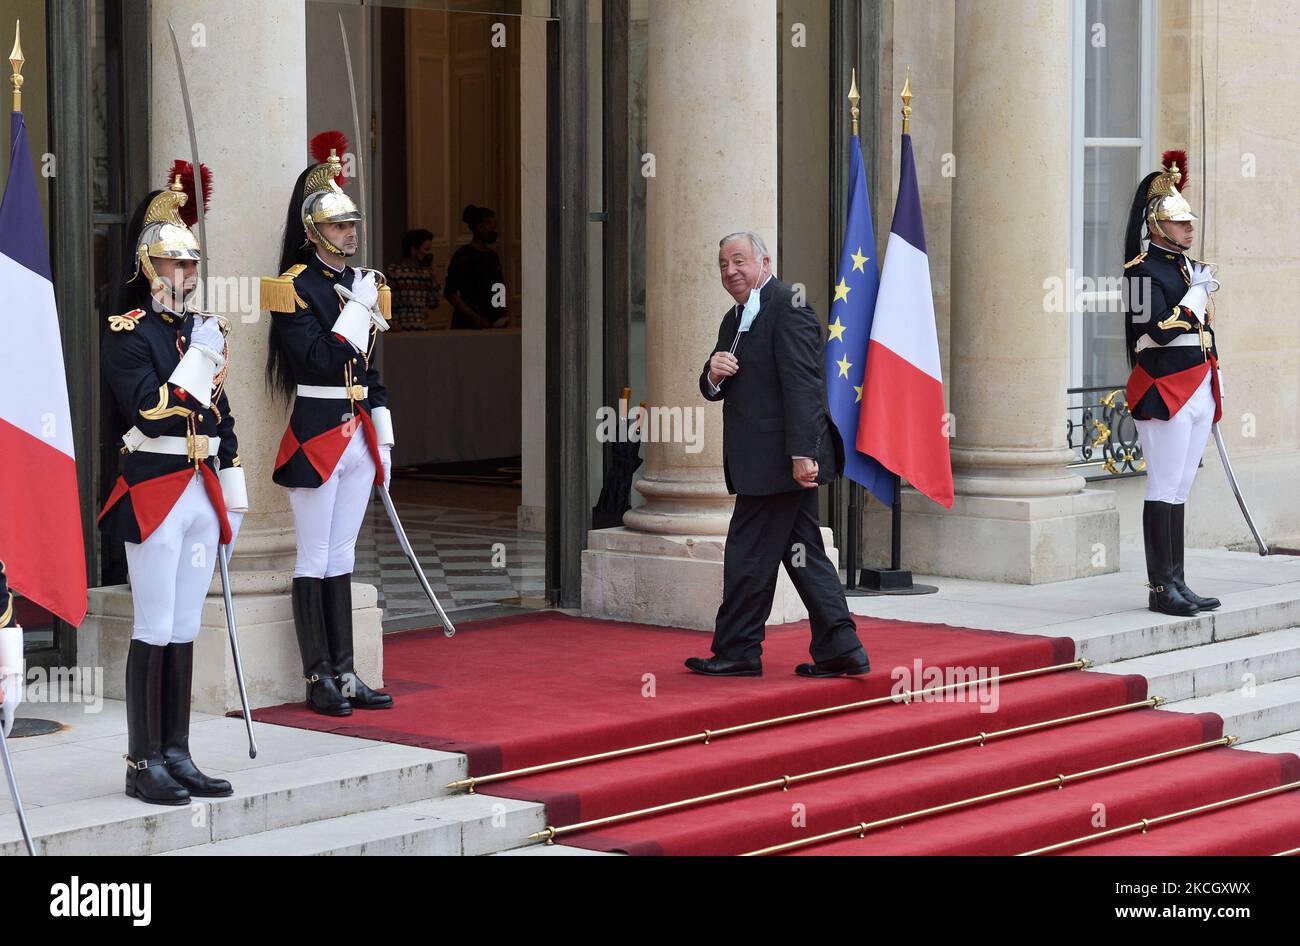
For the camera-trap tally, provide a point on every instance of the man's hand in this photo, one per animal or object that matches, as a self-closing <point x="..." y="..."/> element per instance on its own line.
<point x="805" y="473"/>
<point x="722" y="365"/>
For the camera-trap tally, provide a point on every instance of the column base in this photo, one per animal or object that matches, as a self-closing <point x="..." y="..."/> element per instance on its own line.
<point x="669" y="580"/>
<point x="267" y="646"/>
<point x="1022" y="540"/>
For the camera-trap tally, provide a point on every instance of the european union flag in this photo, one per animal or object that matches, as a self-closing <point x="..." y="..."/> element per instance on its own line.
<point x="852" y="312"/>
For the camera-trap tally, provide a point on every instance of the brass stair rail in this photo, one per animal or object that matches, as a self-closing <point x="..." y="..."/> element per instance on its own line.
<point x="907" y="696"/>
<point x="550" y="833"/>
<point x="1059" y="781"/>
<point x="1146" y="823"/>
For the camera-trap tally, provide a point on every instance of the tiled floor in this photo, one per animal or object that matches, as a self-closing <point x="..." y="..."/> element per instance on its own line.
<point x="473" y="560"/>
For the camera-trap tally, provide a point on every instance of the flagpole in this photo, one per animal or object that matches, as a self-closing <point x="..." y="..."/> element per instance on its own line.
<point x="855" y="490"/>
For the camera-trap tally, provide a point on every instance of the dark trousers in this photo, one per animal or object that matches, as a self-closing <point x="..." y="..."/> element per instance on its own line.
<point x="766" y="532"/>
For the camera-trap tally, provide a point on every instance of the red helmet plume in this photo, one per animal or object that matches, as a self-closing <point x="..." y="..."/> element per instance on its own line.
<point x="1177" y="156"/>
<point x="320" y="150"/>
<point x="190" y="212"/>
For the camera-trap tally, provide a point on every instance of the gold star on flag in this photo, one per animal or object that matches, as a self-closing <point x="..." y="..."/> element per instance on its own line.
<point x="844" y="367"/>
<point x="859" y="261"/>
<point x="841" y="292"/>
<point x="859" y="390"/>
<point x="837" y="330"/>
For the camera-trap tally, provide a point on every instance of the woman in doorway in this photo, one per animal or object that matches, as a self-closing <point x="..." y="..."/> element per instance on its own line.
<point x="475" y="280"/>
<point x="325" y="319"/>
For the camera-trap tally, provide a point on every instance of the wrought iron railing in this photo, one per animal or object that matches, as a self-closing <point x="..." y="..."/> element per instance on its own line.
<point x="1101" y="433"/>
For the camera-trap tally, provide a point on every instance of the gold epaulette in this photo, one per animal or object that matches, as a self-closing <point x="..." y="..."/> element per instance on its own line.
<point x="127" y="322"/>
<point x="1135" y="260"/>
<point x="278" y="294"/>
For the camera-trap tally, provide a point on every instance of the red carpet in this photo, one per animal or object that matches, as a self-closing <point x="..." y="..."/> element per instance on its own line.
<point x="539" y="688"/>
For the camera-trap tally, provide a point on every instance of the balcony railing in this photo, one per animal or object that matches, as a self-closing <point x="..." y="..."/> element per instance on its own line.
<point x="1101" y="433"/>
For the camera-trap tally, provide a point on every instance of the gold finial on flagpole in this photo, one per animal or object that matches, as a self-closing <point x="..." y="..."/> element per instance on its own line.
<point x="16" y="60"/>
<point x="854" y="99"/>
<point x="907" y="102"/>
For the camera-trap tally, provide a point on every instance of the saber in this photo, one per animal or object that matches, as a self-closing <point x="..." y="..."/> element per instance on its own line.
<point x="194" y="160"/>
<point x="404" y="542"/>
<point x="358" y="145"/>
<point x="1236" y="490"/>
<point x="13" y="793"/>
<point x="223" y="556"/>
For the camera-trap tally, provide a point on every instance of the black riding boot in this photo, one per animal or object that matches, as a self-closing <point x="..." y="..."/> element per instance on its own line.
<point x="178" y="676"/>
<point x="323" y="694"/>
<point x="1176" y="516"/>
<point x="147" y="777"/>
<point x="338" y="622"/>
<point x="1164" y="596"/>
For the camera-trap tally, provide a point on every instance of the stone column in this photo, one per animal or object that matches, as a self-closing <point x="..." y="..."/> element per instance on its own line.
<point x="245" y="63"/>
<point x="1019" y="515"/>
<point x="713" y="141"/>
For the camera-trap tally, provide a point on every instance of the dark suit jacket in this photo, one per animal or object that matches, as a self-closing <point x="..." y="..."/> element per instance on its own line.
<point x="775" y="408"/>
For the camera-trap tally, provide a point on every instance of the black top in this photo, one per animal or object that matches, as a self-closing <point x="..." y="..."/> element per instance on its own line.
<point x="775" y="408"/>
<point x="1154" y="285"/>
<point x="320" y="358"/>
<point x="137" y="355"/>
<point x="473" y="273"/>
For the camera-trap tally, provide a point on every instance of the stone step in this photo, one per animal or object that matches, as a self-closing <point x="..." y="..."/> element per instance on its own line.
<point x="1270" y="709"/>
<point x="464" y="825"/>
<point x="1126" y="635"/>
<point x="1217" y="668"/>
<point x="267" y="797"/>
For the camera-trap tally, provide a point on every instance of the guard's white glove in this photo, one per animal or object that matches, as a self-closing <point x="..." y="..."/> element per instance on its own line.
<point x="1196" y="299"/>
<point x="207" y="332"/>
<point x="11" y="674"/>
<point x="236" y="519"/>
<point x="365" y="289"/>
<point x="196" y="371"/>
<point x="1201" y="274"/>
<point x="365" y="293"/>
<point x="386" y="457"/>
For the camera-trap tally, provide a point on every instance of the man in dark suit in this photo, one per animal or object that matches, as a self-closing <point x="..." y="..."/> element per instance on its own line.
<point x="779" y="444"/>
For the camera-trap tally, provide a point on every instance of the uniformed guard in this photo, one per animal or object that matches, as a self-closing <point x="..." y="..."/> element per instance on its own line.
<point x="181" y="490"/>
<point x="326" y="318"/>
<point x="1174" y="390"/>
<point x="12" y="669"/>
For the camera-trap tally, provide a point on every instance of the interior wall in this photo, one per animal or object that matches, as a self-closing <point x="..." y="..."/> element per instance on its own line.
<point x="463" y="144"/>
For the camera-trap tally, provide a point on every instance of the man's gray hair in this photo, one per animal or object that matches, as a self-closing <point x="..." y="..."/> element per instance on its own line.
<point x="756" y="241"/>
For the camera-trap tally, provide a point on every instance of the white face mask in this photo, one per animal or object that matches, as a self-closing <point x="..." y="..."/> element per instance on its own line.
<point x="751" y="305"/>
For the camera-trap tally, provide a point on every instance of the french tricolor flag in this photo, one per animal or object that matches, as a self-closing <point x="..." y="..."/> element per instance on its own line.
<point x="40" y="519"/>
<point x="903" y="421"/>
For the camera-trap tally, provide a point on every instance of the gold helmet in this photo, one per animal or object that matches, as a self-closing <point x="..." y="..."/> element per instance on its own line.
<point x="165" y="231"/>
<point x="1165" y="200"/>
<point x="323" y="200"/>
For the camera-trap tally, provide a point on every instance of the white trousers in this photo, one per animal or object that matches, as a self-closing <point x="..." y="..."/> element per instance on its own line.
<point x="172" y="569"/>
<point x="328" y="518"/>
<point x="1173" y="448"/>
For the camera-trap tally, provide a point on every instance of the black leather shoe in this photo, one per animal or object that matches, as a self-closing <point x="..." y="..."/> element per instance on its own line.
<point x="178" y="676"/>
<point x="718" y="667"/>
<point x="849" y="665"/>
<point x="1176" y="518"/>
<point x="146" y="773"/>
<point x="336" y="593"/>
<point x="323" y="694"/>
